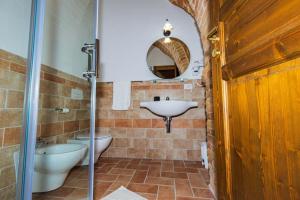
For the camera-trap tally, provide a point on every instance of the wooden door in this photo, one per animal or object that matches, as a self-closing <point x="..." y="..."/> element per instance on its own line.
<point x="257" y="108"/>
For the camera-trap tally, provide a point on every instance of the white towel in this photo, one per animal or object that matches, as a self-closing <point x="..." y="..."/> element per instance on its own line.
<point x="121" y="95"/>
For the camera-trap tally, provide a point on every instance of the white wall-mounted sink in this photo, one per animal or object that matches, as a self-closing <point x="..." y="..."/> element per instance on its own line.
<point x="168" y="108"/>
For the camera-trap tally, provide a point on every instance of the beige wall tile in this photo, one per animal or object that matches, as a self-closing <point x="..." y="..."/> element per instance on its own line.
<point x="2" y="98"/>
<point x="7" y="176"/>
<point x="10" y="118"/>
<point x="15" y="99"/>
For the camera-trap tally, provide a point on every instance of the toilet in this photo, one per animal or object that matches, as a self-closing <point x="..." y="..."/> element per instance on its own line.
<point x="48" y="175"/>
<point x="101" y="143"/>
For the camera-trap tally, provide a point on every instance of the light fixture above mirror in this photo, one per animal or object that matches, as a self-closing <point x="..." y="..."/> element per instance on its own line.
<point x="167" y="31"/>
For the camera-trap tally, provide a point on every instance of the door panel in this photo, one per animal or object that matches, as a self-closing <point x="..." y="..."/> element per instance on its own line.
<point x="261" y="69"/>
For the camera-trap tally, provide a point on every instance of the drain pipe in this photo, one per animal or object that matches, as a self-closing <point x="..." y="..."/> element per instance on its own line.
<point x="168" y="124"/>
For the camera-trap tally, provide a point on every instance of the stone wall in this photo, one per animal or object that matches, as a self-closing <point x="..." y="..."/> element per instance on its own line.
<point x="55" y="92"/>
<point x="140" y="134"/>
<point x="199" y="10"/>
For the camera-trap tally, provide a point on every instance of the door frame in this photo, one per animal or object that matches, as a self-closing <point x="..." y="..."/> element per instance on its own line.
<point x="221" y="114"/>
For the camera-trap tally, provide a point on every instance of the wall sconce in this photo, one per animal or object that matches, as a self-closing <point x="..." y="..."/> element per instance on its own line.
<point x="167" y="31"/>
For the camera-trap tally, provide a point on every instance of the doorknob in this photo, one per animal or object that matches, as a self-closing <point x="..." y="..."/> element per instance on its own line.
<point x="215" y="53"/>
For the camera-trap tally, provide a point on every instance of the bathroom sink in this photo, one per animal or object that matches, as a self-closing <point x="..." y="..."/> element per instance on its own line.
<point x="168" y="108"/>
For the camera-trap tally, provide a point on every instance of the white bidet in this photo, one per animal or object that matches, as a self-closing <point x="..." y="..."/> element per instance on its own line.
<point x="101" y="143"/>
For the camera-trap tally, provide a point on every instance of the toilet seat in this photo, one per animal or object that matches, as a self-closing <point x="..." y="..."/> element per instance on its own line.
<point x="87" y="137"/>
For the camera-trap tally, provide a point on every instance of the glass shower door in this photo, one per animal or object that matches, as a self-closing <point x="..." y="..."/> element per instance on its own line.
<point x="59" y="102"/>
<point x="65" y="96"/>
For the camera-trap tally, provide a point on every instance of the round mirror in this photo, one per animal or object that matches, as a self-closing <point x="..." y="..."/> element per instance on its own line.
<point x="168" y="58"/>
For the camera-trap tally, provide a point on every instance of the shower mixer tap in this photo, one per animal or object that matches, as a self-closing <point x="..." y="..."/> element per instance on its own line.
<point x="89" y="49"/>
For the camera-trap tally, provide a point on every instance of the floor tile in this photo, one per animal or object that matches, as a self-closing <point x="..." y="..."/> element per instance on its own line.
<point x="143" y="188"/>
<point x="197" y="180"/>
<point x="202" y="192"/>
<point x="153" y="179"/>
<point x="148" y="196"/>
<point x="174" y="175"/>
<point x="183" y="188"/>
<point x="154" y="171"/>
<point x="126" y="172"/>
<point x="166" y="193"/>
<point x="139" y="177"/>
<point x="159" y="181"/>
<point x="106" y="177"/>
<point x="187" y="170"/>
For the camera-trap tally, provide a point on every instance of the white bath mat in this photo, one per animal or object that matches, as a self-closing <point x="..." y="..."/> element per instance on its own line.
<point x="123" y="194"/>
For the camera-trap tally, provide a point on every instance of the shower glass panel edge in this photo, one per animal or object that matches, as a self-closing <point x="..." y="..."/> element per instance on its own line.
<point x="31" y="101"/>
<point x="93" y="100"/>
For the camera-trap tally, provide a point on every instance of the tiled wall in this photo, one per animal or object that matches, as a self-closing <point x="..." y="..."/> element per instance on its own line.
<point x="55" y="92"/>
<point x="138" y="133"/>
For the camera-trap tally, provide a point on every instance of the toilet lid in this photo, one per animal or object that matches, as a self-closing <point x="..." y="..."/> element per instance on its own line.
<point x="87" y="137"/>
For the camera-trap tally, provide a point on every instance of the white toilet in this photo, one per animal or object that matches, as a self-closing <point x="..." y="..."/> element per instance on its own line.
<point x="101" y="143"/>
<point x="52" y="164"/>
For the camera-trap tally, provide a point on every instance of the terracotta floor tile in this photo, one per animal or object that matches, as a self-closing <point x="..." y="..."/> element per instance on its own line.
<point x="197" y="180"/>
<point x="105" y="168"/>
<point x="114" y="186"/>
<point x="167" y="162"/>
<point x="165" y="167"/>
<point x="124" y="178"/>
<point x="61" y="192"/>
<point x="138" y="167"/>
<point x="166" y="193"/>
<point x="143" y="188"/>
<point x="153" y="179"/>
<point x="100" y="189"/>
<point x="183" y="188"/>
<point x="110" y="160"/>
<point x="106" y="177"/>
<point x="126" y="172"/>
<point x="154" y="171"/>
<point x="178" y="163"/>
<point x="193" y="164"/>
<point x="46" y="198"/>
<point x="139" y="177"/>
<point x="205" y="174"/>
<point x="189" y="198"/>
<point x="135" y="161"/>
<point x="187" y="170"/>
<point x="174" y="175"/>
<point x="148" y="196"/>
<point x="150" y="162"/>
<point x="77" y="183"/>
<point x="78" y="194"/>
<point x="159" y="181"/>
<point x="203" y="193"/>
<point x="122" y="164"/>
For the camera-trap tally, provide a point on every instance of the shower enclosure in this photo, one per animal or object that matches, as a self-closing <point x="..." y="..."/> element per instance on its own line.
<point x="55" y="75"/>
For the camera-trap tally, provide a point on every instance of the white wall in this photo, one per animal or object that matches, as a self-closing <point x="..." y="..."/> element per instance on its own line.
<point x="68" y="24"/>
<point x="157" y="58"/>
<point x="129" y="27"/>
